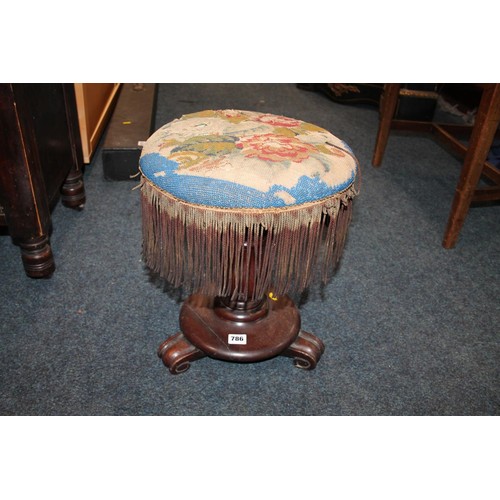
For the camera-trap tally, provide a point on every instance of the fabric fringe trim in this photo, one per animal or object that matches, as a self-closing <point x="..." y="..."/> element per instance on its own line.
<point x="243" y="254"/>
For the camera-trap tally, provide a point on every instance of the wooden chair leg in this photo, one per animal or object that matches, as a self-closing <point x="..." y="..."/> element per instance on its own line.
<point x="388" y="105"/>
<point x="486" y="124"/>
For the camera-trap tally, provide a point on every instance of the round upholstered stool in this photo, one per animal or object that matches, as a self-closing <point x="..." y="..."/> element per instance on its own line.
<point x="240" y="209"/>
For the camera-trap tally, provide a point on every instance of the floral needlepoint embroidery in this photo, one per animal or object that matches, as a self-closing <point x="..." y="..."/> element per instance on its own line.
<point x="273" y="147"/>
<point x="244" y="159"/>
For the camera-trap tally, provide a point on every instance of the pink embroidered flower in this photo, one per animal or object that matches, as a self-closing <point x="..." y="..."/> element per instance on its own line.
<point x="272" y="147"/>
<point x="278" y="121"/>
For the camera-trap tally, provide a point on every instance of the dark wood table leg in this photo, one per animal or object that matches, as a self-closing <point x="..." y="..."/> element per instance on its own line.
<point x="389" y="101"/>
<point x="483" y="133"/>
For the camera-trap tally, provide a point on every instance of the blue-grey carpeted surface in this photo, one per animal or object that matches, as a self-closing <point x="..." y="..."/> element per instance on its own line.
<point x="410" y="328"/>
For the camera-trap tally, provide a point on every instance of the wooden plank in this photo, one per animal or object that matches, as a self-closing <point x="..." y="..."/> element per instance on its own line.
<point x="411" y="126"/>
<point x="490" y="193"/>
<point x="132" y="122"/>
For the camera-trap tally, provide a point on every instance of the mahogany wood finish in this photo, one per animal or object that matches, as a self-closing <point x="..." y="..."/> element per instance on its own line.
<point x="481" y="137"/>
<point x="210" y="325"/>
<point x="40" y="161"/>
<point x="242" y="331"/>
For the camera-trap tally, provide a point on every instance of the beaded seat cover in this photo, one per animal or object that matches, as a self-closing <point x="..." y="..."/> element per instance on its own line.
<point x="217" y="181"/>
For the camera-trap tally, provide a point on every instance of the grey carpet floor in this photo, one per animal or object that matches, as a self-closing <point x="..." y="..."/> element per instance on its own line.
<point x="410" y="328"/>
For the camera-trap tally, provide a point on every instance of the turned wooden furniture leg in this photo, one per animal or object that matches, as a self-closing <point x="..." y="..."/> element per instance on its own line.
<point x="73" y="191"/>
<point x="486" y="124"/>
<point x="388" y="105"/>
<point x="37" y="257"/>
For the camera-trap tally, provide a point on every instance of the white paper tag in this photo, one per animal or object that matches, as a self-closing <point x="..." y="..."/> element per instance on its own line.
<point x="237" y="338"/>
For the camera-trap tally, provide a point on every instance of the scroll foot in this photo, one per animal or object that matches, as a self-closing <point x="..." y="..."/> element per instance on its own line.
<point x="177" y="353"/>
<point x="306" y="351"/>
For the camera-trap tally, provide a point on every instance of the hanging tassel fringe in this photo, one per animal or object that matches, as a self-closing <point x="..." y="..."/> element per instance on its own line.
<point x="242" y="254"/>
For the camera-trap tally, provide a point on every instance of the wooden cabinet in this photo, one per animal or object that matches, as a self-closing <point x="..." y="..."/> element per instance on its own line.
<point x="40" y="162"/>
<point x="47" y="132"/>
<point x="95" y="103"/>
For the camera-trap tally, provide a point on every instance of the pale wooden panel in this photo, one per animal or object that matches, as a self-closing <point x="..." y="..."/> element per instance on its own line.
<point x="95" y="103"/>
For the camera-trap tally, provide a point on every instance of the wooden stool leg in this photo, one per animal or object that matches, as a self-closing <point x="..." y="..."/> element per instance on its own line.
<point x="487" y="119"/>
<point x="387" y="109"/>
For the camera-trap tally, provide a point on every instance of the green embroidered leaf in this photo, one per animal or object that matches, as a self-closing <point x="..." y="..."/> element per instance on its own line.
<point x="323" y="149"/>
<point x="208" y="144"/>
<point x="287" y="132"/>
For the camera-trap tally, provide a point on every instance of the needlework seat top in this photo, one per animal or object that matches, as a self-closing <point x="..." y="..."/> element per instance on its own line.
<point x="244" y="159"/>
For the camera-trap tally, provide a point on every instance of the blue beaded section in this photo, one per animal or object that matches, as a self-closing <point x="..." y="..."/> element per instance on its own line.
<point x="162" y="172"/>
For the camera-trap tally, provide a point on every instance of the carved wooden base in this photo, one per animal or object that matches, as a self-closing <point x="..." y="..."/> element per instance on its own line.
<point x="239" y="332"/>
